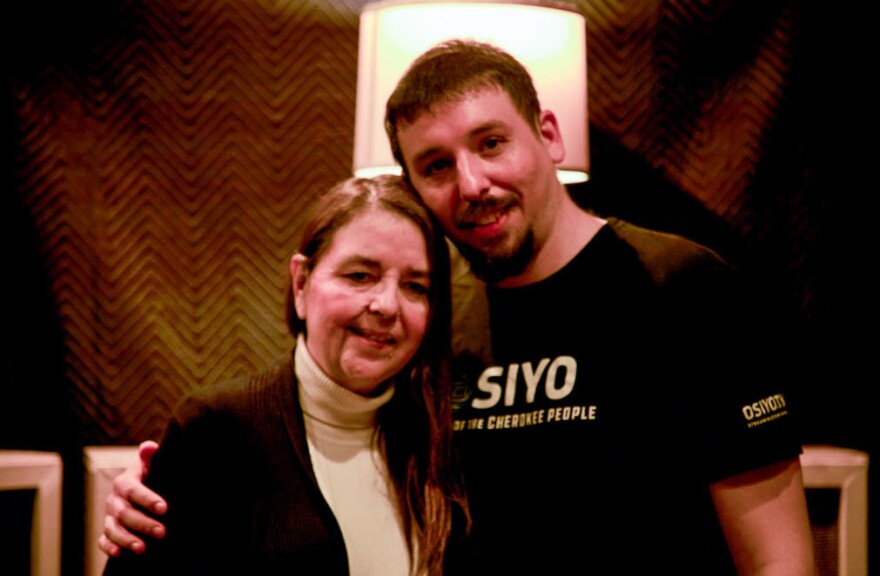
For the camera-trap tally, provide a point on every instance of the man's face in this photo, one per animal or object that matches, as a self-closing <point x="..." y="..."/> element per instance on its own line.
<point x="488" y="177"/>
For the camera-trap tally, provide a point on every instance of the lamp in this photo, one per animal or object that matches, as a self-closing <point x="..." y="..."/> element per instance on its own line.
<point x="549" y="39"/>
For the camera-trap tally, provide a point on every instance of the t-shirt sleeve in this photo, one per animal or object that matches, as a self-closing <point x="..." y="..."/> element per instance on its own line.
<point x="741" y="350"/>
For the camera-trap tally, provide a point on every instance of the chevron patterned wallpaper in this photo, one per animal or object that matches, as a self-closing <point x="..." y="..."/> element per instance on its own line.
<point x="167" y="174"/>
<point x="167" y="163"/>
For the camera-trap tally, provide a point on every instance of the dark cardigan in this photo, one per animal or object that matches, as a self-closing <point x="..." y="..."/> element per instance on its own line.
<point x="242" y="496"/>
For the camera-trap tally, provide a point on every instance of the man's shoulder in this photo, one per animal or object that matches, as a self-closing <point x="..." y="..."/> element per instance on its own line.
<point x="667" y="256"/>
<point x="470" y="312"/>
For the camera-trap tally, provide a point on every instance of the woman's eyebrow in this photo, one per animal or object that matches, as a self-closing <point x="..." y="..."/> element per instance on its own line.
<point x="418" y="273"/>
<point x="356" y="260"/>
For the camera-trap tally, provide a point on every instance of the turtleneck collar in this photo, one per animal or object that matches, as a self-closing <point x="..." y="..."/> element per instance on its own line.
<point x="329" y="402"/>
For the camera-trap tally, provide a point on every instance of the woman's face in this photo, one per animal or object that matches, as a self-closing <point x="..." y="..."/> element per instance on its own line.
<point x="365" y="301"/>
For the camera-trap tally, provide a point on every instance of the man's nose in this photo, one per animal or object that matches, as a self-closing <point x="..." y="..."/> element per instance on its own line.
<point x="472" y="180"/>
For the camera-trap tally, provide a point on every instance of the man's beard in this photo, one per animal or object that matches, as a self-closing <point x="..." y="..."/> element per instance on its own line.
<point x="494" y="263"/>
<point x="494" y="268"/>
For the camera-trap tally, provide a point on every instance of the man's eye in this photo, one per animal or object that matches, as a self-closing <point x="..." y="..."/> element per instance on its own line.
<point x="493" y="143"/>
<point x="436" y="166"/>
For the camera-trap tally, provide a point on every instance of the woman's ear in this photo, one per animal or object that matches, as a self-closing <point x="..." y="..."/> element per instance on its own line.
<point x="299" y="275"/>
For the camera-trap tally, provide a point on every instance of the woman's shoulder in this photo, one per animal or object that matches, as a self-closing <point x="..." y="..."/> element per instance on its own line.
<point x="234" y="427"/>
<point x="239" y="396"/>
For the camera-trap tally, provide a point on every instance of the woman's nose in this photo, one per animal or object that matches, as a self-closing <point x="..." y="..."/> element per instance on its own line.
<point x="385" y="299"/>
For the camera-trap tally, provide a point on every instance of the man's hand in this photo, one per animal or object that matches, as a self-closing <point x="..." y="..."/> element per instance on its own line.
<point x="123" y="520"/>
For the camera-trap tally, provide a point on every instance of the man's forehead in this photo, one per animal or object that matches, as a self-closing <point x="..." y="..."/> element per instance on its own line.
<point x="449" y="111"/>
<point x="450" y="101"/>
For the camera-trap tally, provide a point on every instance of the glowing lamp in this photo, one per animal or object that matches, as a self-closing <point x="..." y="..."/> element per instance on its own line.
<point x="549" y="39"/>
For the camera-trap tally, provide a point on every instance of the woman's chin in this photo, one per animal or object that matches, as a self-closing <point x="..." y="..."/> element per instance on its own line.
<point x="367" y="380"/>
<point x="367" y="375"/>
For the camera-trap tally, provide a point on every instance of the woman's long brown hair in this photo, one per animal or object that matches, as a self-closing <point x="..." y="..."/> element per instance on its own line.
<point x="416" y="425"/>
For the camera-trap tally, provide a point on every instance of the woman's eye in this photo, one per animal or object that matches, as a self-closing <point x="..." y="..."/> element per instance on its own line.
<point x="417" y="288"/>
<point x="359" y="277"/>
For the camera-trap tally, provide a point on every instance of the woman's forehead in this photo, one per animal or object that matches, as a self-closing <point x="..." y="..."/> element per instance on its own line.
<point x="381" y="233"/>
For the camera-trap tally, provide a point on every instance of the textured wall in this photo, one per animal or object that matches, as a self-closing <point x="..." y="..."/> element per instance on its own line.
<point x="167" y="172"/>
<point x="161" y="154"/>
<point x="166" y="166"/>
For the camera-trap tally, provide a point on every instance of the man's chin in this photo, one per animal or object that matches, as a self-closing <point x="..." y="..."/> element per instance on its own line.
<point x="499" y="265"/>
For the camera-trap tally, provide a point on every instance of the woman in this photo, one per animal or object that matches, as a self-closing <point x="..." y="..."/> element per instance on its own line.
<point x="339" y="457"/>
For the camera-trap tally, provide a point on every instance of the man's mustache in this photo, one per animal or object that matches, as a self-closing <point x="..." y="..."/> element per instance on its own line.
<point x="479" y="212"/>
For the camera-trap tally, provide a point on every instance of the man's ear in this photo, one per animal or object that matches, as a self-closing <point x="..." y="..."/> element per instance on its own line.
<point x="299" y="275"/>
<point x="551" y="136"/>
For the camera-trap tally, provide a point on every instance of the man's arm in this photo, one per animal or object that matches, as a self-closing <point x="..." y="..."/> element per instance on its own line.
<point x="764" y="517"/>
<point x="123" y="521"/>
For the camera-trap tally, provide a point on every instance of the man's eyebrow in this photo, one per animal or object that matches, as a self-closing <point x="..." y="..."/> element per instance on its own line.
<point x="424" y="154"/>
<point x="486" y="126"/>
<point x="477" y="130"/>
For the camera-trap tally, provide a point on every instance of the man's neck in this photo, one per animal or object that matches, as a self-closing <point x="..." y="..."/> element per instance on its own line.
<point x="572" y="229"/>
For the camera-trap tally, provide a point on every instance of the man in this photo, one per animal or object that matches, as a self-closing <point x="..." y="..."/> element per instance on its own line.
<point x="613" y="411"/>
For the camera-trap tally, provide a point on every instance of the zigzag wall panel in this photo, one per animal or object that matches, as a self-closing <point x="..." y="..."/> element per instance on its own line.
<point x="166" y="162"/>
<point x="162" y="154"/>
<point x="167" y="172"/>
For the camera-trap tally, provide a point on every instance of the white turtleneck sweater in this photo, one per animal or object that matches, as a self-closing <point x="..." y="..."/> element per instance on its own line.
<point x="351" y="471"/>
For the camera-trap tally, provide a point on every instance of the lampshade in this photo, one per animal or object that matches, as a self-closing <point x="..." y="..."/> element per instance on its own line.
<point x="549" y="39"/>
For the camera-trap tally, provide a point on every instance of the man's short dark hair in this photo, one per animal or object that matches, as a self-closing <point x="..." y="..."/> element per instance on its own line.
<point x="453" y="70"/>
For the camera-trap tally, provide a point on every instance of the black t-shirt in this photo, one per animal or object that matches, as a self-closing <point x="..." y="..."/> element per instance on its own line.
<point x="619" y="388"/>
